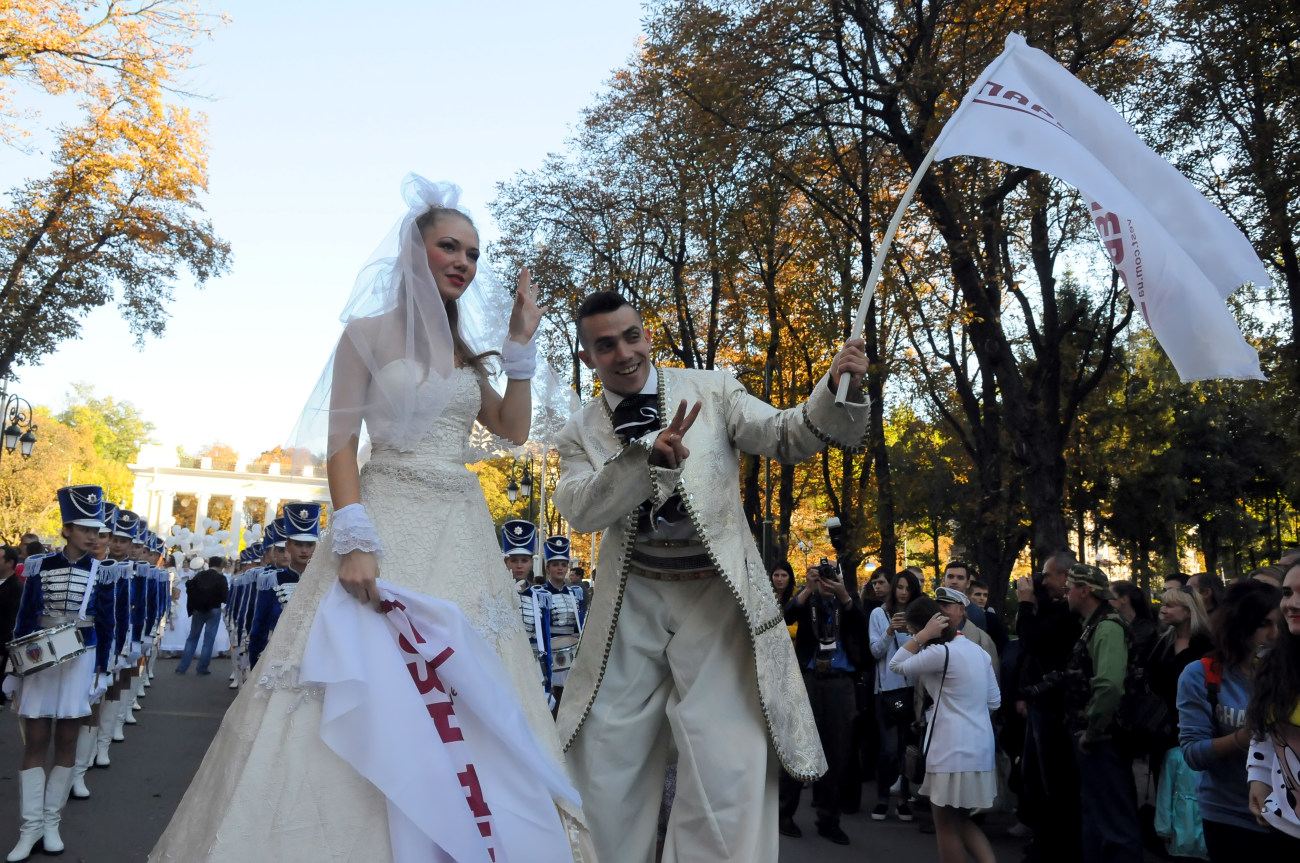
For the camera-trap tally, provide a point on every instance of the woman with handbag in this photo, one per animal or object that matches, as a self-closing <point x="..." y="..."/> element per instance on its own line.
<point x="958" y="749"/>
<point x="887" y="633"/>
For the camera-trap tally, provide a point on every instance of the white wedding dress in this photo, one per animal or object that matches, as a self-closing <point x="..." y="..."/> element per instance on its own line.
<point x="269" y="788"/>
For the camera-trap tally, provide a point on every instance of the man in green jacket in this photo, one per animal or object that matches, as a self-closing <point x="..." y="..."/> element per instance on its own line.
<point x="1094" y="674"/>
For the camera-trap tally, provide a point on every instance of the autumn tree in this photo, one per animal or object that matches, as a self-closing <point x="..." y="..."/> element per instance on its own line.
<point x="118" y="429"/>
<point x="118" y="214"/>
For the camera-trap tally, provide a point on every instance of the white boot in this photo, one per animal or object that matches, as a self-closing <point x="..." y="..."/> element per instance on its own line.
<point x="31" y="803"/>
<point x="104" y="734"/>
<point x="119" y="717"/>
<point x="129" y="703"/>
<point x="85" y="755"/>
<point x="153" y="657"/>
<point x="56" y="797"/>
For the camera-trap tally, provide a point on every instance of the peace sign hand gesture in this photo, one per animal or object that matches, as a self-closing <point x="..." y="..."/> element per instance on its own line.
<point x="525" y="316"/>
<point x="669" y="451"/>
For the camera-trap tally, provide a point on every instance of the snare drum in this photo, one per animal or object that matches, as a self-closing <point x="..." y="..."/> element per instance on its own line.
<point x="563" y="649"/>
<point x="46" y="648"/>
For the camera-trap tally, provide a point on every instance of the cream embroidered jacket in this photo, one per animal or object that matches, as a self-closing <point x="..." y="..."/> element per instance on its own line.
<point x="602" y="483"/>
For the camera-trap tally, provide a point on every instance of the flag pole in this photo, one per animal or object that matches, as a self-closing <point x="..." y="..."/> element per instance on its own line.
<point x="887" y="241"/>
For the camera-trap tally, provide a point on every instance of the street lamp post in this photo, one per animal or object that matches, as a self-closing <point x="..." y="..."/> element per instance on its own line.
<point x="17" y="411"/>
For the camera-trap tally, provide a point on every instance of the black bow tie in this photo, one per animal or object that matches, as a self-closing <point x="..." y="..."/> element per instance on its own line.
<point x="636" y="416"/>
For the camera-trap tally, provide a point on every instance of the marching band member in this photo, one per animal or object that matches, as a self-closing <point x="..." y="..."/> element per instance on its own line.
<point x="301" y="529"/>
<point x="58" y="591"/>
<point x="101" y="613"/>
<point x="124" y="525"/>
<point x="519" y="547"/>
<point x="564" y="614"/>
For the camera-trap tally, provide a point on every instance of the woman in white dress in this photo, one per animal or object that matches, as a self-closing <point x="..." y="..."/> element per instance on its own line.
<point x="960" y="771"/>
<point x="412" y="366"/>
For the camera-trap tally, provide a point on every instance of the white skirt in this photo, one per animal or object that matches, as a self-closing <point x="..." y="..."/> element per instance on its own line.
<point x="973" y="789"/>
<point x="61" y="692"/>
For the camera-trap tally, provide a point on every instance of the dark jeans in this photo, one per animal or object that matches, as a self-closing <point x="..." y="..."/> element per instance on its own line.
<point x="1108" y="804"/>
<point x="831" y="698"/>
<point x="893" y="737"/>
<point x="1049" y="800"/>
<point x="205" y="622"/>
<point x="1230" y="843"/>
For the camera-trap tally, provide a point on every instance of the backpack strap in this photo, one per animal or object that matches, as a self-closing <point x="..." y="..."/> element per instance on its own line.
<point x="1213" y="679"/>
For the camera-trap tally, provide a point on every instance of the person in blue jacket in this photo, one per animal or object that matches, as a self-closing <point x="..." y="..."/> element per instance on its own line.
<point x="301" y="528"/>
<point x="1212" y="698"/>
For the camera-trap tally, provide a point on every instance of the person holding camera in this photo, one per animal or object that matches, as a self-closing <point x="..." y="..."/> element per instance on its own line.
<point x="894" y="711"/>
<point x="829" y="646"/>
<point x="1047" y="630"/>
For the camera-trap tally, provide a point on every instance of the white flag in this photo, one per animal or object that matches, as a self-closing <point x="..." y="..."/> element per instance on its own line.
<point x="1178" y="255"/>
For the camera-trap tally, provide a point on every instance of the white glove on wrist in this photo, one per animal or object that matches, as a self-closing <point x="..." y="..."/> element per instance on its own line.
<point x="11" y="685"/>
<point x="519" y="362"/>
<point x="351" y="530"/>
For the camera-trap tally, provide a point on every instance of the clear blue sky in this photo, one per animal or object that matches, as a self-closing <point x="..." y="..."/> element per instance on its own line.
<point x="318" y="109"/>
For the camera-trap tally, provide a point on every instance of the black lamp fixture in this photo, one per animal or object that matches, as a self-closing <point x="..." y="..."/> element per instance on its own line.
<point x="19" y="413"/>
<point x="521" y="482"/>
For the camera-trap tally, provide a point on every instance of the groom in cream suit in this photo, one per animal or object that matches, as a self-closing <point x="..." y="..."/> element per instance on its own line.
<point x="684" y="641"/>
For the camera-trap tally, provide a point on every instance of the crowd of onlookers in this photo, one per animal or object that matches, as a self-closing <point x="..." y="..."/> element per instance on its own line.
<point x="1170" y="725"/>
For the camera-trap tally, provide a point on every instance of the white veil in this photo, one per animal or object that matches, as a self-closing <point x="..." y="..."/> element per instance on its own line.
<point x="396" y="315"/>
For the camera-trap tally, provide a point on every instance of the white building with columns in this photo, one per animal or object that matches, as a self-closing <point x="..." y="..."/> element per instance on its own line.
<point x="164" y="483"/>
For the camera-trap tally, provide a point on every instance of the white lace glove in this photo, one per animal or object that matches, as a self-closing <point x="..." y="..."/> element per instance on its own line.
<point x="99" y="685"/>
<point x="11" y="685"/>
<point x="519" y="362"/>
<point x="351" y="530"/>
<point x="134" y="656"/>
<point x="148" y="643"/>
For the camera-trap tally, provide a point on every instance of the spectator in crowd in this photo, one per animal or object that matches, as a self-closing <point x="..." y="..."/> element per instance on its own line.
<point x="1269" y="574"/>
<point x="782" y="578"/>
<point x="204" y="596"/>
<point x="1184" y="639"/>
<point x="1273" y="763"/>
<point x="1094" y="684"/>
<point x="1213" y="696"/>
<point x="25" y="549"/>
<point x="876" y="592"/>
<point x="1289" y="558"/>
<point x="829" y="645"/>
<point x="1047" y="631"/>
<point x="28" y="549"/>
<point x="1176" y="580"/>
<point x="1133" y="605"/>
<point x="894" y="708"/>
<point x="958" y="575"/>
<point x="11" y="592"/>
<point x="997" y="630"/>
<point x="960" y="766"/>
<point x="1209" y="587"/>
<point x="954" y="606"/>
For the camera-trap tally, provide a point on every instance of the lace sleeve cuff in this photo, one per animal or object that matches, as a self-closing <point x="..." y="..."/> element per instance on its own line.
<point x="351" y="530"/>
<point x="519" y="362"/>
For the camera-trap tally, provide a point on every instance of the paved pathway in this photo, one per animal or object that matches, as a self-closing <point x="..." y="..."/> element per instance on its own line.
<point x="134" y="799"/>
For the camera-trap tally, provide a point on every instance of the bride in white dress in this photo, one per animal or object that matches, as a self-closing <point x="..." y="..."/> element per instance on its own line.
<point x="269" y="788"/>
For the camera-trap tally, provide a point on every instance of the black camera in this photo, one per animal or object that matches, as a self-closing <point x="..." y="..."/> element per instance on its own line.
<point x="1050" y="682"/>
<point x="828" y="571"/>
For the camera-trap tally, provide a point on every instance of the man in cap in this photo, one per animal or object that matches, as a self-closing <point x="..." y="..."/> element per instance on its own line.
<point x="565" y="613"/>
<point x="955" y="605"/>
<point x="53" y="701"/>
<point x="519" y="549"/>
<point x="301" y="526"/>
<point x="1094" y="685"/>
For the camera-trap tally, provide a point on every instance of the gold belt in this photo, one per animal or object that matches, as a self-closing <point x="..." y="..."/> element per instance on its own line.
<point x="687" y="575"/>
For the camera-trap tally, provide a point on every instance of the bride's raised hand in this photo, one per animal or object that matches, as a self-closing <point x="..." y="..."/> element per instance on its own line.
<point x="357" y="573"/>
<point x="525" y="316"/>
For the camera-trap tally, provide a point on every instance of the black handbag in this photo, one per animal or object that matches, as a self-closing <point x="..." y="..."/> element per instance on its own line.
<point x="897" y="706"/>
<point x="914" y="756"/>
